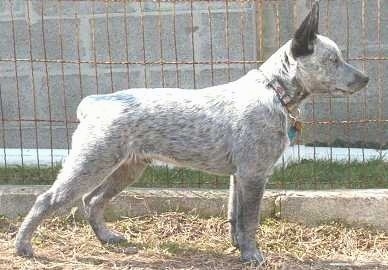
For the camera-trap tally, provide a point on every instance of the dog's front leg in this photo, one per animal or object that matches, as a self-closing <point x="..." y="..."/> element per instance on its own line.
<point x="232" y="210"/>
<point x="249" y="193"/>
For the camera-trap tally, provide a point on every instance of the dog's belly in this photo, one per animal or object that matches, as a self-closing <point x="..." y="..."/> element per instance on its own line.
<point x="211" y="166"/>
<point x="186" y="149"/>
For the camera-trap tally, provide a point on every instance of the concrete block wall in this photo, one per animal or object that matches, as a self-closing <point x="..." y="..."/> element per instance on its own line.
<point x="131" y="33"/>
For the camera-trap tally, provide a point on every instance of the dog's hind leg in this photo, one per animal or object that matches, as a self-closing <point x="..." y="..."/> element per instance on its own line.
<point x="95" y="201"/>
<point x="90" y="161"/>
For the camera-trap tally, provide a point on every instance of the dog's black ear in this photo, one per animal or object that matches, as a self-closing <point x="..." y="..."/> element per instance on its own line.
<point x="304" y="37"/>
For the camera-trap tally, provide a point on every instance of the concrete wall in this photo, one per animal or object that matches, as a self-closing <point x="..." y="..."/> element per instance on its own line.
<point x="129" y="32"/>
<point x="357" y="208"/>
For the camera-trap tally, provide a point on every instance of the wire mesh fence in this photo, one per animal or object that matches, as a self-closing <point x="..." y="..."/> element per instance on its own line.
<point x="54" y="53"/>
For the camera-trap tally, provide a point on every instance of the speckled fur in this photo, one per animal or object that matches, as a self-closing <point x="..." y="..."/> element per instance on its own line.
<point x="238" y="129"/>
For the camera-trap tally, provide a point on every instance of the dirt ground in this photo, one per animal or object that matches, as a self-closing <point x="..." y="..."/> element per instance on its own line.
<point x="183" y="241"/>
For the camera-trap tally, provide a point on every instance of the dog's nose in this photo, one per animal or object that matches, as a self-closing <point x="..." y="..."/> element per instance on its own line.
<point x="366" y="80"/>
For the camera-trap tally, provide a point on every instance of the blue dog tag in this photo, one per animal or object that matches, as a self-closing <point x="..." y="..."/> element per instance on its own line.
<point x="292" y="132"/>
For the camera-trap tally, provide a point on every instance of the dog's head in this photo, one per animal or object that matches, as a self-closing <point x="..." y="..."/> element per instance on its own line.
<point x="320" y="66"/>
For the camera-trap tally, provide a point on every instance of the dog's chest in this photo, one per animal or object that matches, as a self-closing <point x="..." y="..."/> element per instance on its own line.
<point x="266" y="130"/>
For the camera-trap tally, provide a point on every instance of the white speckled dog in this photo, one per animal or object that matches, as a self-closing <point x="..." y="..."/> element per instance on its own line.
<point x="237" y="129"/>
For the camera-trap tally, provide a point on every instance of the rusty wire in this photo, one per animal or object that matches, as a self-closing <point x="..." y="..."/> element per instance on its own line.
<point x="371" y="58"/>
<point x="17" y="85"/>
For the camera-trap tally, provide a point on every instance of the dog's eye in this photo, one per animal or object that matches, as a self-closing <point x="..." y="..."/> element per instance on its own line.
<point x="335" y="59"/>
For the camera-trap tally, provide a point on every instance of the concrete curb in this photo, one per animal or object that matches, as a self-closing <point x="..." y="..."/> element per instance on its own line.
<point x="353" y="207"/>
<point x="17" y="200"/>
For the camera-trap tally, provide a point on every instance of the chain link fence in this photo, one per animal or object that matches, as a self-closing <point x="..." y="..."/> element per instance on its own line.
<point x="54" y="53"/>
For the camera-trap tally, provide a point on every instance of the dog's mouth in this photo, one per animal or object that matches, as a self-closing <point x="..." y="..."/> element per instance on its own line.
<point x="341" y="92"/>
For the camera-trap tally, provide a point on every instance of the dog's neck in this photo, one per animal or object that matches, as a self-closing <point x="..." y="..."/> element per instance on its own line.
<point x="279" y="72"/>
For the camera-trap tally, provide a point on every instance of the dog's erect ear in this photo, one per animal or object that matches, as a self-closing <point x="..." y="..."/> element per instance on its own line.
<point x="303" y="41"/>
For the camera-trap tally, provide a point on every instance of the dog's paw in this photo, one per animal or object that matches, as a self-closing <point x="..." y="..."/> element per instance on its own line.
<point x="24" y="250"/>
<point x="110" y="237"/>
<point x="253" y="256"/>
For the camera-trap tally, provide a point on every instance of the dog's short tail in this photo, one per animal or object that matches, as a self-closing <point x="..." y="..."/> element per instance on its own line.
<point x="100" y="107"/>
<point x="83" y="108"/>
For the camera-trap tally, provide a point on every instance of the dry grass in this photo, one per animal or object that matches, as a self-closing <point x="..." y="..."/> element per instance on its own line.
<point x="183" y="241"/>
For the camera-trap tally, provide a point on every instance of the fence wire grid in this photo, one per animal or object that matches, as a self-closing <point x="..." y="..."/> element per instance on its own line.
<point x="54" y="53"/>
